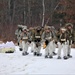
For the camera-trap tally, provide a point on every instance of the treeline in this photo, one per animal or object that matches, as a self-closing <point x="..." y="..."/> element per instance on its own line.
<point x="30" y="13"/>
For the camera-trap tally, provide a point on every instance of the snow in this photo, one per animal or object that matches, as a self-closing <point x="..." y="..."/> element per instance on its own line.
<point x="2" y="45"/>
<point x="7" y="45"/>
<point x="10" y="44"/>
<point x="15" y="63"/>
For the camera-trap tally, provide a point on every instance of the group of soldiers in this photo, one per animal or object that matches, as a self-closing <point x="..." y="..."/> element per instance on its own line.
<point x="48" y="38"/>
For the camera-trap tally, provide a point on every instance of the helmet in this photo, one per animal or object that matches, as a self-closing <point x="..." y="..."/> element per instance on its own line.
<point x="20" y="26"/>
<point x="63" y="29"/>
<point x="24" y="28"/>
<point x="69" y="24"/>
<point x="47" y="27"/>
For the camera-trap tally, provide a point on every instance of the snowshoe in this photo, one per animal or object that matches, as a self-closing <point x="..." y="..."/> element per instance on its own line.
<point x="20" y="49"/>
<point x="59" y="57"/>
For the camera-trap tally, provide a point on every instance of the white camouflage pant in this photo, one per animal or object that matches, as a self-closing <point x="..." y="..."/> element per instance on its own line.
<point x="69" y="48"/>
<point x="49" y="49"/>
<point x="20" y="43"/>
<point x="53" y="46"/>
<point x="32" y="46"/>
<point x="64" y="47"/>
<point x="25" y="46"/>
<point x="37" y="49"/>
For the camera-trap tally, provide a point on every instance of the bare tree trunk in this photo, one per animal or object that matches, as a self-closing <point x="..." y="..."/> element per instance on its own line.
<point x="29" y="12"/>
<point x="43" y="12"/>
<point x="13" y="12"/>
<point x="24" y="13"/>
<point x="47" y="21"/>
<point x="52" y="8"/>
<point x="9" y="12"/>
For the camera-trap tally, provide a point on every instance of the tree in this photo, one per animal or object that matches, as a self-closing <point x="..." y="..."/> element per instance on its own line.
<point x="24" y="15"/>
<point x="34" y="13"/>
<point x="43" y="12"/>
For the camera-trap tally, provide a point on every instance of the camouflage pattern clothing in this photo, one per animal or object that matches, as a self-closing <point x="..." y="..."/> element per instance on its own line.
<point x="70" y="38"/>
<point x="31" y="36"/>
<point x="47" y="37"/>
<point x="62" y="44"/>
<point x="25" y="43"/>
<point x="19" y="38"/>
<point x="37" y="40"/>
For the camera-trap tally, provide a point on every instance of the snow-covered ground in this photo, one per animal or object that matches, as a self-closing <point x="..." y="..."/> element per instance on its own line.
<point x="16" y="64"/>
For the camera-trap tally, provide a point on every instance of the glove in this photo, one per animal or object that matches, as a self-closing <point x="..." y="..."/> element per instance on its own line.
<point x="46" y="42"/>
<point x="44" y="45"/>
<point x="36" y="45"/>
<point x="55" y="42"/>
<point x="73" y="42"/>
<point x="29" y="41"/>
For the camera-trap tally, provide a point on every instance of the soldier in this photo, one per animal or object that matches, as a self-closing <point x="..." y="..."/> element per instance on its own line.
<point x="54" y="38"/>
<point x="70" y="38"/>
<point x="47" y="37"/>
<point x="37" y="40"/>
<point x="62" y="44"/>
<point x="31" y="36"/>
<point x="25" y="43"/>
<point x="17" y="33"/>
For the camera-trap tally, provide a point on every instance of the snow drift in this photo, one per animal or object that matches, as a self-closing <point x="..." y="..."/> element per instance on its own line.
<point x="7" y="47"/>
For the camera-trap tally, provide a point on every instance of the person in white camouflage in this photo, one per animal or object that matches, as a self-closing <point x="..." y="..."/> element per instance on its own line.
<point x="25" y="43"/>
<point x="47" y="37"/>
<point x="62" y="43"/>
<point x="70" y="38"/>
<point x="18" y="35"/>
<point x="31" y="40"/>
<point x="37" y="42"/>
<point x="54" y="38"/>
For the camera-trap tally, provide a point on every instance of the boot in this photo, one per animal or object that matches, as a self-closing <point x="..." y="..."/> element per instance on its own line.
<point x="65" y="57"/>
<point x="39" y="54"/>
<point x="25" y="53"/>
<point x="20" y="49"/>
<point x="59" y="57"/>
<point x="69" y="56"/>
<point x="46" y="56"/>
<point x="50" y="57"/>
<point x="35" y="53"/>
